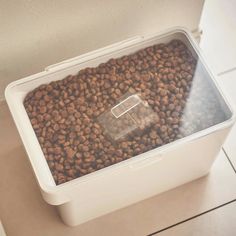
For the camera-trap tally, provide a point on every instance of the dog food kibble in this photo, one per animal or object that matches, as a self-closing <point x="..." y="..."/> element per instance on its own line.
<point x="64" y="114"/>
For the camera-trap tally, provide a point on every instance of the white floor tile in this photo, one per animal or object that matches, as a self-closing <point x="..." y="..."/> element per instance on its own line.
<point x="215" y="223"/>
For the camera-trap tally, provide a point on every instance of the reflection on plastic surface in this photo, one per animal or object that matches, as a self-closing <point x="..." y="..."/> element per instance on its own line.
<point x="132" y="116"/>
<point x="204" y="105"/>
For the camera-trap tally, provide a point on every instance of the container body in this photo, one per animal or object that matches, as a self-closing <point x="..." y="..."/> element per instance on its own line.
<point x="129" y="181"/>
<point x="166" y="170"/>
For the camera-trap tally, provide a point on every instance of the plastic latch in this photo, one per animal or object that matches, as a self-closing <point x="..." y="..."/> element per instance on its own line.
<point x="125" y="106"/>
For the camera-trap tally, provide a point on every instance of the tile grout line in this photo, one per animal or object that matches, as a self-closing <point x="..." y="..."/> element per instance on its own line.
<point x="226" y="71"/>
<point x="191" y="218"/>
<point x="230" y="162"/>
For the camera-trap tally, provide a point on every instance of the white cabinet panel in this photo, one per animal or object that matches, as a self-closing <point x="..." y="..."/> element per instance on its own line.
<point x="219" y="36"/>
<point x="228" y="85"/>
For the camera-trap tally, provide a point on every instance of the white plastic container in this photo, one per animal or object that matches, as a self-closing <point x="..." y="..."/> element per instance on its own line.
<point x="132" y="180"/>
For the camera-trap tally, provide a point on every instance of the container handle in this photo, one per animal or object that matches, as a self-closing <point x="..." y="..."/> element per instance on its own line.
<point x="95" y="53"/>
<point x="139" y="164"/>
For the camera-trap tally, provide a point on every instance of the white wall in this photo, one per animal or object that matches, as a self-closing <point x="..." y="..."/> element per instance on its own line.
<point x="37" y="33"/>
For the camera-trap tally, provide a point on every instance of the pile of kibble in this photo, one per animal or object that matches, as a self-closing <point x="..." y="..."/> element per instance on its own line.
<point x="64" y="113"/>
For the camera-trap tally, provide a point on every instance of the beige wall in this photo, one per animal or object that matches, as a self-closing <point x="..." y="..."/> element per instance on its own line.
<point x="37" y="33"/>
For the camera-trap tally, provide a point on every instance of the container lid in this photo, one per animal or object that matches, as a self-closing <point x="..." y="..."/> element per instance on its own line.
<point x="124" y="107"/>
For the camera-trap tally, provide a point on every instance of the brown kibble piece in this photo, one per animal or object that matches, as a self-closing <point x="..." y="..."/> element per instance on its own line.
<point x="70" y="153"/>
<point x="153" y="135"/>
<point x="43" y="109"/>
<point x="57" y="150"/>
<point x="38" y="95"/>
